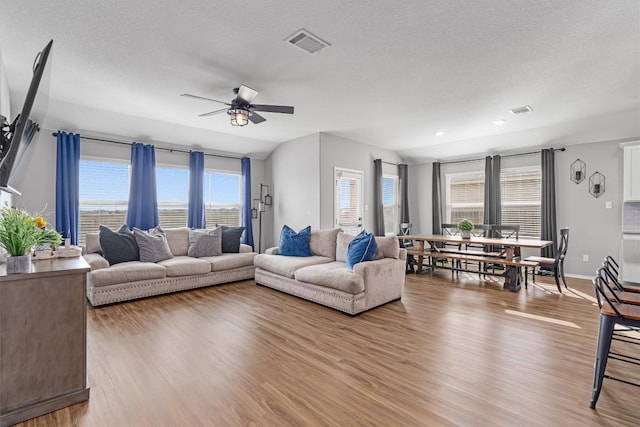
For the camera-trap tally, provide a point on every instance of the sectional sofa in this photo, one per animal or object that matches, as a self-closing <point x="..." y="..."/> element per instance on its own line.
<point x="325" y="279"/>
<point x="134" y="279"/>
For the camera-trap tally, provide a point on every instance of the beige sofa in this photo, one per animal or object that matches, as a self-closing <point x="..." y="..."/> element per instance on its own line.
<point x="325" y="279"/>
<point x="134" y="279"/>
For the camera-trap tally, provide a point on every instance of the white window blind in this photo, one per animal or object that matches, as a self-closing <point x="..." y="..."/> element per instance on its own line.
<point x="349" y="213"/>
<point x="390" y="205"/>
<point x="104" y="193"/>
<point x="521" y="196"/>
<point x="465" y="197"/>
<point x="222" y="198"/>
<point x="173" y="196"/>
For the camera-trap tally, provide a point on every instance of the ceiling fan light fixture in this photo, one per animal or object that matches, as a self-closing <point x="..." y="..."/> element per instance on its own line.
<point x="239" y="117"/>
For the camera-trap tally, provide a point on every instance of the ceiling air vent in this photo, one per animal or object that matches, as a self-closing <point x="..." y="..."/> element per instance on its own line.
<point x="521" y="110"/>
<point x="306" y="41"/>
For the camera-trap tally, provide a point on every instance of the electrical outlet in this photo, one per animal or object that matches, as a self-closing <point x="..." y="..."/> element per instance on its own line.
<point x="608" y="205"/>
<point x="585" y="258"/>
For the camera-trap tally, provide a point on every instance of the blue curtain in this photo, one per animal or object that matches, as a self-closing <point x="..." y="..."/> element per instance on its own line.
<point x="196" y="218"/>
<point x="68" y="185"/>
<point x="143" y="200"/>
<point x="247" y="223"/>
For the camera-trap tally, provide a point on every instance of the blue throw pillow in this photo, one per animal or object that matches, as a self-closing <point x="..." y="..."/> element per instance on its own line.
<point x="362" y="248"/>
<point x="295" y="244"/>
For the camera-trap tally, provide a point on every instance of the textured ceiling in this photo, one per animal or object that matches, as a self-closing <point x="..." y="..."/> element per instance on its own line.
<point x="395" y="73"/>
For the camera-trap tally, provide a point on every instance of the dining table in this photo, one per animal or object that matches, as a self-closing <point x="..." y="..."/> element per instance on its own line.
<point x="510" y="249"/>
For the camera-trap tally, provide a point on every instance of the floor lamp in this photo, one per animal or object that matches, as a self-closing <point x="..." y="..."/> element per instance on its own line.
<point x="258" y="208"/>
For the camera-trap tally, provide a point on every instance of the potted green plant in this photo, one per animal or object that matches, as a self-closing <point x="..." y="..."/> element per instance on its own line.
<point x="465" y="226"/>
<point x="19" y="233"/>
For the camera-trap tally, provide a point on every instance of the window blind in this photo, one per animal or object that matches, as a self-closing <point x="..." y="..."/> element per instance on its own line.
<point x="349" y="201"/>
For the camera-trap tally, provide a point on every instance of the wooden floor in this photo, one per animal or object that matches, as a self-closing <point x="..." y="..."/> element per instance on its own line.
<point x="449" y="353"/>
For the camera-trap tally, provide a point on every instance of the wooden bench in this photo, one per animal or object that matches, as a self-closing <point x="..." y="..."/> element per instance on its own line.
<point x="480" y="259"/>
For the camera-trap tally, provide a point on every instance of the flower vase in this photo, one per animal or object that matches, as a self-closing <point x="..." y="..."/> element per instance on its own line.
<point x="465" y="234"/>
<point x="19" y="264"/>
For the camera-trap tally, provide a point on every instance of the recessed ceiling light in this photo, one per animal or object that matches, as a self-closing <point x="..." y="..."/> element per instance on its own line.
<point x="499" y="122"/>
<point x="440" y="133"/>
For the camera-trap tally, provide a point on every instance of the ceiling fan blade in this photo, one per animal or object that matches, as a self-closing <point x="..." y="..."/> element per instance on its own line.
<point x="273" y="108"/>
<point x="211" y="113"/>
<point x="256" y="118"/>
<point x="188" y="95"/>
<point x="246" y="94"/>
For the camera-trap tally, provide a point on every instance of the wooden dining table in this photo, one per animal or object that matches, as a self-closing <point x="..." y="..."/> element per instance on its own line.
<point x="509" y="254"/>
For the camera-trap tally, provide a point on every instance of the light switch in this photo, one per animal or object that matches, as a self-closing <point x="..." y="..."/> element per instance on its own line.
<point x="608" y="205"/>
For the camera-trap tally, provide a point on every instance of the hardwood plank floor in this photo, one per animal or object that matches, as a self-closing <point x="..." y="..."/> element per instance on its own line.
<point x="462" y="352"/>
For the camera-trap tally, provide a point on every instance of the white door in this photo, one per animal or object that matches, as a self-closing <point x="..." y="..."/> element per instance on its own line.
<point x="348" y="200"/>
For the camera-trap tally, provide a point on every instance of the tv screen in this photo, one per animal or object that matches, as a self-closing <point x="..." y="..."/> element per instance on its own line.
<point x="27" y="123"/>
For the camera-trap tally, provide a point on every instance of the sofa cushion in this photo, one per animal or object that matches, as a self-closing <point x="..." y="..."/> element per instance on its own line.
<point x="118" y="246"/>
<point x="131" y="271"/>
<point x="152" y="244"/>
<point x="229" y="261"/>
<point x="295" y="244"/>
<point x="323" y="242"/>
<point x="205" y="243"/>
<point x="362" y="248"/>
<point x="334" y="275"/>
<point x="95" y="261"/>
<point x="287" y="265"/>
<point x="185" y="266"/>
<point x="92" y="243"/>
<point x="178" y="240"/>
<point x="231" y="239"/>
<point x="342" y="245"/>
<point x="388" y="247"/>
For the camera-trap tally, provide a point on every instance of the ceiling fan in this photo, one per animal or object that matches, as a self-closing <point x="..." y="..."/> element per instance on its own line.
<point x="241" y="110"/>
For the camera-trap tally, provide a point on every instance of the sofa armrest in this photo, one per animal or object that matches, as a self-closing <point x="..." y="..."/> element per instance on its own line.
<point x="96" y="261"/>
<point x="272" y="251"/>
<point x="383" y="279"/>
<point x="245" y="248"/>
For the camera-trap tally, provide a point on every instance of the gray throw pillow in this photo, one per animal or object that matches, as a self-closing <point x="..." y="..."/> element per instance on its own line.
<point x="205" y="243"/>
<point x="118" y="246"/>
<point x="231" y="239"/>
<point x="152" y="244"/>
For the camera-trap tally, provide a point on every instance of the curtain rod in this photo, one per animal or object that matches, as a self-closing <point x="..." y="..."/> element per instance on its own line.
<point x="508" y="155"/>
<point x="157" y="148"/>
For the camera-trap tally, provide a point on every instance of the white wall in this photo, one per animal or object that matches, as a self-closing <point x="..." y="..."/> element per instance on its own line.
<point x="336" y="151"/>
<point x="295" y="175"/>
<point x="594" y="230"/>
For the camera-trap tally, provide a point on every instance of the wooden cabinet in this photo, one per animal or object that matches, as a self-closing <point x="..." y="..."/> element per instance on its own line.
<point x="43" y="344"/>
<point x="631" y="171"/>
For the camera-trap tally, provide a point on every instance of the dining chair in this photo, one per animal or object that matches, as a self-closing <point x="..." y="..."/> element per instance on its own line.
<point x="613" y="311"/>
<point x="502" y="232"/>
<point x="555" y="264"/>
<point x="405" y="230"/>
<point x="611" y="271"/>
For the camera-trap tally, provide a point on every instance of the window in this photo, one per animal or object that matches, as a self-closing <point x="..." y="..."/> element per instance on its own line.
<point x="390" y="204"/>
<point x="521" y="195"/>
<point x="173" y="196"/>
<point x="520" y="190"/>
<point x="465" y="197"/>
<point x="222" y="198"/>
<point x="104" y="191"/>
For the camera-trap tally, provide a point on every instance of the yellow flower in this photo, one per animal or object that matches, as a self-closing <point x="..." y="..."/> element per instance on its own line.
<point x="40" y="222"/>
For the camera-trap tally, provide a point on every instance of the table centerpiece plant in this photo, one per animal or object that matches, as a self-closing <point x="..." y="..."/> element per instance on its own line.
<point x="19" y="233"/>
<point x="465" y="226"/>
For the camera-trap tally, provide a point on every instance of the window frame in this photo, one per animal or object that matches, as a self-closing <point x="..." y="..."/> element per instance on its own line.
<point x="210" y="207"/>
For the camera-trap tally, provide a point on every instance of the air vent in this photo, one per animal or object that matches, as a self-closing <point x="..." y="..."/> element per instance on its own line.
<point x="521" y="110"/>
<point x="306" y="41"/>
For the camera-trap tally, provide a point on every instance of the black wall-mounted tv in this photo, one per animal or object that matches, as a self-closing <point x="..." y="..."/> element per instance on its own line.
<point x="17" y="135"/>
